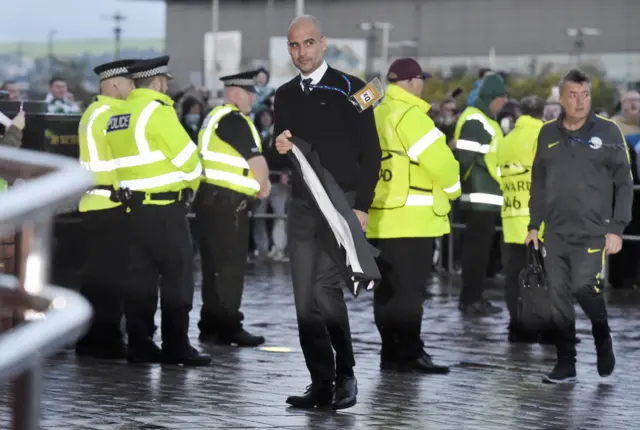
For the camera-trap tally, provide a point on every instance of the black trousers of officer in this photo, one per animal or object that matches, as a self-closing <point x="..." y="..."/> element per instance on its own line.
<point x="102" y="281"/>
<point x="514" y="259"/>
<point x="318" y="288"/>
<point x="161" y="247"/>
<point x="573" y="267"/>
<point x="476" y="252"/>
<point x="404" y="265"/>
<point x="222" y="217"/>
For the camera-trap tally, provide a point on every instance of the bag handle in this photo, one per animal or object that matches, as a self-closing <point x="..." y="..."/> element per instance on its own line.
<point x="534" y="255"/>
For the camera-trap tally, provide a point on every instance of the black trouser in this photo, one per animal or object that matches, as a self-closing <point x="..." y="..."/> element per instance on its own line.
<point x="160" y="247"/>
<point x="573" y="267"/>
<point x="404" y="265"/>
<point x="223" y="231"/>
<point x="105" y="268"/>
<point x="514" y="259"/>
<point x="476" y="252"/>
<point x="323" y="322"/>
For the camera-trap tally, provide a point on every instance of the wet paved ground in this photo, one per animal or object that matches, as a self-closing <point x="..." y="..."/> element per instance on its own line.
<point x="492" y="385"/>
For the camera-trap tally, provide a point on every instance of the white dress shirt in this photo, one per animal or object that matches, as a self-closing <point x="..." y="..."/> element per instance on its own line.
<point x="315" y="76"/>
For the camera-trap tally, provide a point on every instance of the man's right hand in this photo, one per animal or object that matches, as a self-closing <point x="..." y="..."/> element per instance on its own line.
<point x="283" y="145"/>
<point x="532" y="237"/>
<point x="265" y="190"/>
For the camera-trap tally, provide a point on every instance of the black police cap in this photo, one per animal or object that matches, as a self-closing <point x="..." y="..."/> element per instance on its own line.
<point x="158" y="66"/>
<point x="244" y="80"/>
<point x="114" y="69"/>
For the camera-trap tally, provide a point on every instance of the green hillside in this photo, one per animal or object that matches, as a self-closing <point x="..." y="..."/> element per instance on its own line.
<point x="79" y="46"/>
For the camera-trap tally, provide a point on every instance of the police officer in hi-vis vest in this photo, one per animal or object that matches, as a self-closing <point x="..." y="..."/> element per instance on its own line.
<point x="158" y="170"/>
<point x="419" y="177"/>
<point x="515" y="159"/>
<point x="235" y="173"/>
<point x="104" y="217"/>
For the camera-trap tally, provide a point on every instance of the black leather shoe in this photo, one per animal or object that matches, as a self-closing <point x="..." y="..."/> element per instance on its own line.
<point x="481" y="308"/>
<point x="346" y="392"/>
<point x="424" y="364"/>
<point x="191" y="357"/>
<point x="321" y="396"/>
<point x="147" y="352"/>
<point x="240" y="338"/>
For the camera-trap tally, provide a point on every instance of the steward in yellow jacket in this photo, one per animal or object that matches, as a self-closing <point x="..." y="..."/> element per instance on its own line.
<point x="418" y="177"/>
<point x="104" y="218"/>
<point x="515" y="159"/>
<point x="477" y="138"/>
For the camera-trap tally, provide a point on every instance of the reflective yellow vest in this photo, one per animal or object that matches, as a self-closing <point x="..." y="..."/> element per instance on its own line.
<point x="223" y="165"/>
<point x="418" y="175"/>
<point x="95" y="154"/>
<point x="480" y="178"/>
<point x="515" y="159"/>
<point x="152" y="151"/>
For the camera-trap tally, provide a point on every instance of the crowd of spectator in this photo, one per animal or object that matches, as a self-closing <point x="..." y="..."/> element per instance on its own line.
<point x="269" y="234"/>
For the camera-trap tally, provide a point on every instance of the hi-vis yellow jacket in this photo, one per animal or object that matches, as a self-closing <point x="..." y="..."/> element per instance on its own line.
<point x="419" y="174"/>
<point x="223" y="165"/>
<point x="515" y="159"/>
<point x="152" y="151"/>
<point x="95" y="154"/>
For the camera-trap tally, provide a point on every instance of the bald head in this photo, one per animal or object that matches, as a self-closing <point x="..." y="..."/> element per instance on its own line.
<point x="309" y="21"/>
<point x="306" y="43"/>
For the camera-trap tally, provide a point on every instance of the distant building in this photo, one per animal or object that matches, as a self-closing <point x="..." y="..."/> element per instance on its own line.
<point x="525" y="35"/>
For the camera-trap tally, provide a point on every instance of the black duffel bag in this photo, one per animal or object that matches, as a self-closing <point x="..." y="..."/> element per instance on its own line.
<point x="534" y="303"/>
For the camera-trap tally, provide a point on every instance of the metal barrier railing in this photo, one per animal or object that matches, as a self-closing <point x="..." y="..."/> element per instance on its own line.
<point x="45" y="318"/>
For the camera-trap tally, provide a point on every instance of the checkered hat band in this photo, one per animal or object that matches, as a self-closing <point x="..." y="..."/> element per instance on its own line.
<point x="240" y="82"/>
<point x="162" y="70"/>
<point x="111" y="73"/>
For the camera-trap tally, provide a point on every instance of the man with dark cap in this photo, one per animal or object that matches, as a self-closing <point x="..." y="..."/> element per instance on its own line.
<point x="158" y="169"/>
<point x="235" y="173"/>
<point x="104" y="217"/>
<point x="419" y="176"/>
<point x="477" y="135"/>
<point x="515" y="159"/>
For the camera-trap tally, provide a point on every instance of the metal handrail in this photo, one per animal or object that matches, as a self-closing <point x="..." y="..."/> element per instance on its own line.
<point x="48" y="183"/>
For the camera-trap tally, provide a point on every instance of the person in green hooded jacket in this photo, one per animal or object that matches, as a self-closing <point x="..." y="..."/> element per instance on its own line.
<point x="477" y="135"/>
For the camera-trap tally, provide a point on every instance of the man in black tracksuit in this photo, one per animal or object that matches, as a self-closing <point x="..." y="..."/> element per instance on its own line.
<point x="583" y="191"/>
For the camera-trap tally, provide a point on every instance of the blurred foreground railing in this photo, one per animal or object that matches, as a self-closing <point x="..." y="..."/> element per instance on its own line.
<point x="44" y="318"/>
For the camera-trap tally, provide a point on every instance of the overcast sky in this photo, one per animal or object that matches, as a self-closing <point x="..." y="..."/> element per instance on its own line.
<point x="31" y="20"/>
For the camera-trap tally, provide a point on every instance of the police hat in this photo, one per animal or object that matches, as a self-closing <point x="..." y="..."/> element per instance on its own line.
<point x="152" y="67"/>
<point x="114" y="69"/>
<point x="244" y="80"/>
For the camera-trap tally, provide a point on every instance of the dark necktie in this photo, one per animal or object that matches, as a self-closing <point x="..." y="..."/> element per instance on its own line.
<point x="306" y="84"/>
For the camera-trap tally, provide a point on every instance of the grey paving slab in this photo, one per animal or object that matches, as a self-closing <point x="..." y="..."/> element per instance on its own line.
<point x="493" y="385"/>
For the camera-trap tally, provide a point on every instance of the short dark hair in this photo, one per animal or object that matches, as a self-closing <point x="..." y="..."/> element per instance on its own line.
<point x="56" y="79"/>
<point x="576" y="76"/>
<point x="8" y="82"/>
<point x="532" y="106"/>
<point x="144" y="82"/>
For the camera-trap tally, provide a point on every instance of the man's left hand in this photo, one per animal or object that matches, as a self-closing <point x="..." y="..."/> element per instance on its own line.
<point x="613" y="243"/>
<point x="363" y="218"/>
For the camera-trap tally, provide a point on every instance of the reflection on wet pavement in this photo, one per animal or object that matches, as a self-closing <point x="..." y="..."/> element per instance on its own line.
<point x="493" y="385"/>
